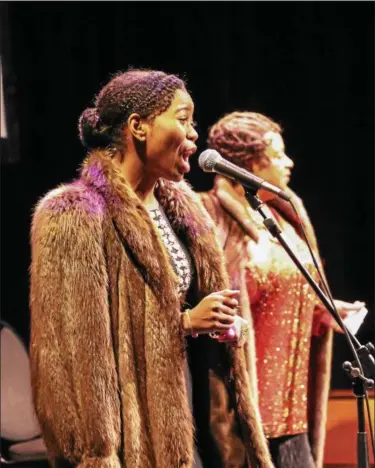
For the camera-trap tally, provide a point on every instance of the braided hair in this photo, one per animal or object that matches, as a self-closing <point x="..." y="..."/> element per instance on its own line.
<point x="146" y="92"/>
<point x="239" y="137"/>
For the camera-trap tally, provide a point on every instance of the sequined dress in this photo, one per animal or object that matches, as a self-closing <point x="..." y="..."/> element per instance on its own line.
<point x="277" y="286"/>
<point x="282" y="305"/>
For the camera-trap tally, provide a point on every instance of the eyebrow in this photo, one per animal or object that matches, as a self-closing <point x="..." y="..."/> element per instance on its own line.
<point x="184" y="107"/>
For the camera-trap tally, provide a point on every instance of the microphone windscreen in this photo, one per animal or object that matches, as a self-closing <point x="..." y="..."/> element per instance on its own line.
<point x="207" y="159"/>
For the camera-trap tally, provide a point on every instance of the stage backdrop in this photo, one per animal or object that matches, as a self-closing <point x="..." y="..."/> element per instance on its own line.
<point x="308" y="65"/>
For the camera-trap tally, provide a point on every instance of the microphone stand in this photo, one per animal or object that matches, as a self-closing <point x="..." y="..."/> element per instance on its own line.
<point x="365" y="353"/>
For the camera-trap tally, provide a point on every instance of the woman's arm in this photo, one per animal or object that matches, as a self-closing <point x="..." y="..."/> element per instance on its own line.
<point x="73" y="368"/>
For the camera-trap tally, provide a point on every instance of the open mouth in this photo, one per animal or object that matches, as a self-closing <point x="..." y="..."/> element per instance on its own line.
<point x="186" y="154"/>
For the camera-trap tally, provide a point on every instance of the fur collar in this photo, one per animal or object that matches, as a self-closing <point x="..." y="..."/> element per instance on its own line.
<point x="237" y="206"/>
<point x="133" y="223"/>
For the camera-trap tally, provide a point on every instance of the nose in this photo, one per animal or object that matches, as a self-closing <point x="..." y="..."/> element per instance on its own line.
<point x="288" y="162"/>
<point x="192" y="134"/>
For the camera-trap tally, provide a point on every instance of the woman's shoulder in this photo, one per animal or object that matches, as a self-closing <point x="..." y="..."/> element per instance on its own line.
<point x="70" y="200"/>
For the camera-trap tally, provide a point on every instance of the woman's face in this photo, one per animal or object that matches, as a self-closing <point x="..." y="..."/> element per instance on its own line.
<point x="278" y="169"/>
<point x="170" y="139"/>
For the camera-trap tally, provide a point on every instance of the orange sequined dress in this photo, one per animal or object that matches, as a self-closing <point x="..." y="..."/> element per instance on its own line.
<point x="282" y="305"/>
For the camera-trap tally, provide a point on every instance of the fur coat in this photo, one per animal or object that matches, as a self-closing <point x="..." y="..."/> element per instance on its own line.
<point x="107" y="354"/>
<point x="235" y="228"/>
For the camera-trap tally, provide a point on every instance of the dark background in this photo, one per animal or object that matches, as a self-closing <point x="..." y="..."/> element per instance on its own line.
<point x="308" y="65"/>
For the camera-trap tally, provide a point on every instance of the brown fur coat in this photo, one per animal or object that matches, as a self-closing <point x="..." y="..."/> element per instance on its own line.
<point x="107" y="355"/>
<point x="235" y="227"/>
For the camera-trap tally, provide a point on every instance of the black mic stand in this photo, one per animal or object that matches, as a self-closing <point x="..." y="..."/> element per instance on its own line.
<point x="366" y="353"/>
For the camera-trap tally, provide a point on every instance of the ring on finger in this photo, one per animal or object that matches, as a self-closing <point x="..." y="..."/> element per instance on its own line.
<point x="214" y="335"/>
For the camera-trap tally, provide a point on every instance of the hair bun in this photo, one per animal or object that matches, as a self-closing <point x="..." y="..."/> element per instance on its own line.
<point x="90" y="135"/>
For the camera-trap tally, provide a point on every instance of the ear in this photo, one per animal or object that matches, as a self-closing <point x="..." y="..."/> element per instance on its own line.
<point x="137" y="127"/>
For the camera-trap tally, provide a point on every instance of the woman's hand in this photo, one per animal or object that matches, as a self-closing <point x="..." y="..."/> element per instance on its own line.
<point x="215" y="313"/>
<point x="237" y="335"/>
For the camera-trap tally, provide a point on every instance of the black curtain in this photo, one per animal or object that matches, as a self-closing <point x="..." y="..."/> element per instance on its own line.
<point x="308" y="65"/>
<point x="9" y="140"/>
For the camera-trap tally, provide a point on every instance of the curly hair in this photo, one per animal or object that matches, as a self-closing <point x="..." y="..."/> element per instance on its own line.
<point x="239" y="137"/>
<point x="145" y="92"/>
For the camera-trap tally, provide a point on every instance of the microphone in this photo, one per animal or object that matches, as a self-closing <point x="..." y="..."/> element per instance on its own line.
<point x="211" y="161"/>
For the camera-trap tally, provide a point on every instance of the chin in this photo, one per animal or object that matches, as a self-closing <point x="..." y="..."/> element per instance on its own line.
<point x="284" y="185"/>
<point x="176" y="177"/>
<point x="180" y="177"/>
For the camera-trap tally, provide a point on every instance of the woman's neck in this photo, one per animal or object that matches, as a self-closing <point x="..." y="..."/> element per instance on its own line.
<point x="143" y="184"/>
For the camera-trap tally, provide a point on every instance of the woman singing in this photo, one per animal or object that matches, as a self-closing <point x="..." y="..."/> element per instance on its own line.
<point x="291" y="331"/>
<point x="127" y="283"/>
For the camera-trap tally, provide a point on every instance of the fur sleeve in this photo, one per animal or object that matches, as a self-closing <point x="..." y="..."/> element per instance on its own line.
<point x="73" y="369"/>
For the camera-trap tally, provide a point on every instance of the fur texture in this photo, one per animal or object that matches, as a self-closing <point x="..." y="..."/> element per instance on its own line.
<point x="107" y="355"/>
<point x="235" y="227"/>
